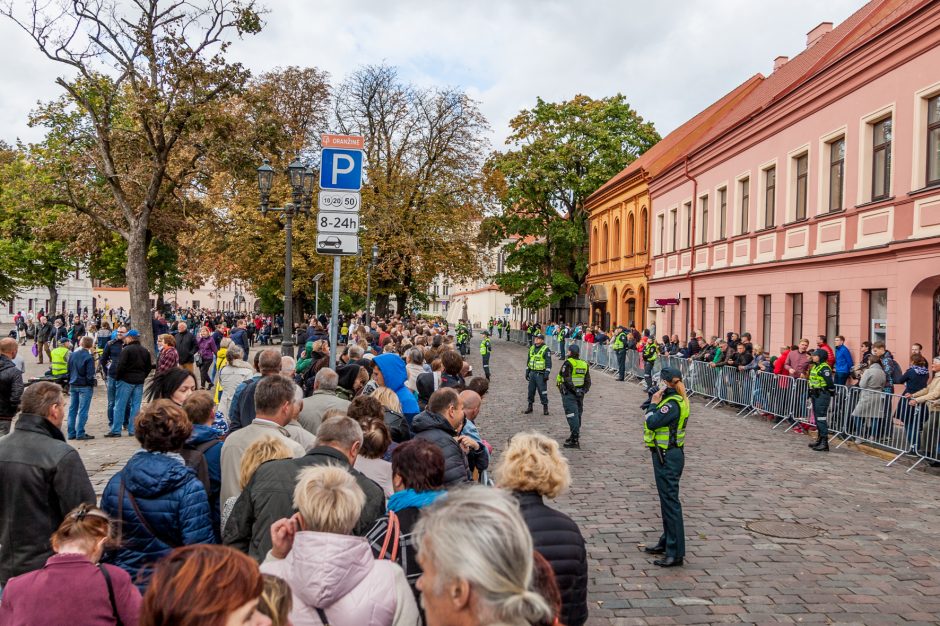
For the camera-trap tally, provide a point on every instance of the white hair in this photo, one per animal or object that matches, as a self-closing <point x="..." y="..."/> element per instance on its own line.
<point x="326" y="379"/>
<point x="477" y="534"/>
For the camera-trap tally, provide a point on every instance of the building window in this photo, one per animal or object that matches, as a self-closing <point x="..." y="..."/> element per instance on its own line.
<point x="722" y="211"/>
<point x="881" y="160"/>
<point x="446" y="289"/>
<point x="701" y="314"/>
<point x="745" y="208"/>
<point x="674" y="215"/>
<point x="644" y="224"/>
<point x="687" y="207"/>
<point x="703" y="202"/>
<point x="878" y="314"/>
<point x="661" y="229"/>
<point x="765" y="325"/>
<point x="195" y="304"/>
<point x="500" y="262"/>
<point x="836" y="174"/>
<point x="617" y="249"/>
<point x="631" y="234"/>
<point x="933" y="141"/>
<point x="594" y="246"/>
<point x="802" y="186"/>
<point x="796" y="327"/>
<point x="604" y="243"/>
<point x="832" y="314"/>
<point x="770" y="195"/>
<point x="10" y="307"/>
<point x="742" y="313"/>
<point x="720" y="317"/>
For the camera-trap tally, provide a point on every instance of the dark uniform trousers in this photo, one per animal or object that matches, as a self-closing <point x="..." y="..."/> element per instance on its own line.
<point x="573" y="404"/>
<point x="621" y="363"/>
<point x="537" y="382"/>
<point x="821" y="402"/>
<point x="648" y="373"/>
<point x="486" y="365"/>
<point x="667" y="484"/>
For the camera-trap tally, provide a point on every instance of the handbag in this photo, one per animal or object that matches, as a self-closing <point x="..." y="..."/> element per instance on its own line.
<point x="107" y="581"/>
<point x="394" y="526"/>
<point x="35" y="350"/>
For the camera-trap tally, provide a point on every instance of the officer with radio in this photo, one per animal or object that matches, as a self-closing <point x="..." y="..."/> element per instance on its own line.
<point x="574" y="381"/>
<point x="536" y="372"/>
<point x="822" y="384"/>
<point x="667" y="412"/>
<point x="485" y="350"/>
<point x="619" y="346"/>
<point x="650" y="354"/>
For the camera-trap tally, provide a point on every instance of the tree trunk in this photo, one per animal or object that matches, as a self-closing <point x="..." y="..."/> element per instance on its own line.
<point x="53" y="301"/>
<point x="380" y="305"/>
<point x="401" y="301"/>
<point x="138" y="287"/>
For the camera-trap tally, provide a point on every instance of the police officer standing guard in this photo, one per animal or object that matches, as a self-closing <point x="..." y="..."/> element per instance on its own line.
<point x="821" y="386"/>
<point x="667" y="411"/>
<point x="485" y="353"/>
<point x="619" y="346"/>
<point x="650" y="354"/>
<point x="574" y="381"/>
<point x="536" y="371"/>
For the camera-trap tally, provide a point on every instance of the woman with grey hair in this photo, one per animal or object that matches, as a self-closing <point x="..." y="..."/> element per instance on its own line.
<point x="231" y="375"/>
<point x="414" y="364"/>
<point x="475" y="553"/>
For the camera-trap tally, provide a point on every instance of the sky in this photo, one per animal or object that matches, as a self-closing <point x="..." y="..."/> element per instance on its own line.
<point x="670" y="58"/>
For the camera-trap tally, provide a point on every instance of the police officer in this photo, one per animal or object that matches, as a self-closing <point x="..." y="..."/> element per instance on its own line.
<point x="574" y="381"/>
<point x="537" y="370"/>
<point x="619" y="346"/>
<point x="821" y="387"/>
<point x="562" y="334"/>
<point x="485" y="350"/>
<point x="60" y="359"/>
<point x="650" y="354"/>
<point x="462" y="338"/>
<point x="667" y="411"/>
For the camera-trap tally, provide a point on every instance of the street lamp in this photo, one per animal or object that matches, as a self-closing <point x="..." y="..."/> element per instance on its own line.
<point x="375" y="257"/>
<point x="302" y="183"/>
<point x="316" y="298"/>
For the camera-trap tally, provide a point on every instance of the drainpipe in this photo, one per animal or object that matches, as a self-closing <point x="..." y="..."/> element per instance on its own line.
<point x="688" y="275"/>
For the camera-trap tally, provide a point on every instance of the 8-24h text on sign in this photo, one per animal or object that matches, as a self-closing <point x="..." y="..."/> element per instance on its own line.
<point x="337" y="222"/>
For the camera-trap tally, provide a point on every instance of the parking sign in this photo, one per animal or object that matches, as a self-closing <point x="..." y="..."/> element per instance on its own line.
<point x="341" y="169"/>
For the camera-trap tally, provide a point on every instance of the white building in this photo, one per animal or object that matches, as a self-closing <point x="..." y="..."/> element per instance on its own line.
<point x="74" y="295"/>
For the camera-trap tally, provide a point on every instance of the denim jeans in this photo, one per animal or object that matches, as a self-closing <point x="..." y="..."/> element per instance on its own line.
<point x="79" y="404"/>
<point x="112" y="394"/>
<point x="126" y="406"/>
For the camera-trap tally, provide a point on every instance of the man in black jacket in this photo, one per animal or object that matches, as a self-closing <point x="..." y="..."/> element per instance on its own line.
<point x="44" y="333"/>
<point x="269" y="495"/>
<point x="131" y="371"/>
<point x="441" y="424"/>
<point x="108" y="364"/>
<point x="11" y="384"/>
<point x="43" y="480"/>
<point x="186" y="346"/>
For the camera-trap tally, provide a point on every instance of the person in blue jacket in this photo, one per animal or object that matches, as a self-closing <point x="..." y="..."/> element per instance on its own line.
<point x="158" y="503"/>
<point x="82" y="381"/>
<point x="390" y="372"/>
<point x="844" y="361"/>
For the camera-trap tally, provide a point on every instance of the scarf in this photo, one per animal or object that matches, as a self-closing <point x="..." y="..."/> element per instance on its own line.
<point x="411" y="498"/>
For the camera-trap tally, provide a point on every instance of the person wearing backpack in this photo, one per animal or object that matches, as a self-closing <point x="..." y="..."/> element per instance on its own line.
<point x="203" y="449"/>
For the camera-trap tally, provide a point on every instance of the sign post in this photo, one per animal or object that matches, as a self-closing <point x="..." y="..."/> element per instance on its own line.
<point x="338" y="220"/>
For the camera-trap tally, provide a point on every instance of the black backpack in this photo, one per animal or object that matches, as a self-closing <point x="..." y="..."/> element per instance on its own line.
<point x="195" y="457"/>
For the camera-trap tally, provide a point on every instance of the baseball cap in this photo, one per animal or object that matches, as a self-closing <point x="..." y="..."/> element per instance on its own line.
<point x="133" y="333"/>
<point x="670" y="374"/>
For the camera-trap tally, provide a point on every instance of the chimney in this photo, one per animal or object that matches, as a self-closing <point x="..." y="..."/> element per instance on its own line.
<point x="813" y="36"/>
<point x="780" y="61"/>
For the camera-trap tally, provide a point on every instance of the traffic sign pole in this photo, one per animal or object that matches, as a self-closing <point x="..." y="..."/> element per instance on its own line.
<point x="334" y="319"/>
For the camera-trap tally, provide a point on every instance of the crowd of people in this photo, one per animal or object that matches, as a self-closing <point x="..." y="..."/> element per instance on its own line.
<point x="276" y="489"/>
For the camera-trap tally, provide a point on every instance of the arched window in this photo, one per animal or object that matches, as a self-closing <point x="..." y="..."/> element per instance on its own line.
<point x="594" y="246"/>
<point x="605" y="242"/>
<point x="631" y="234"/>
<point x="644" y="233"/>
<point x="617" y="251"/>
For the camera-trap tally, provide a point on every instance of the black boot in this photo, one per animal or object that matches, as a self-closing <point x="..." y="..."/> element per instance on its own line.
<point x="544" y="409"/>
<point x="823" y="445"/>
<point x="573" y="443"/>
<point x="528" y="410"/>
<point x="813" y="444"/>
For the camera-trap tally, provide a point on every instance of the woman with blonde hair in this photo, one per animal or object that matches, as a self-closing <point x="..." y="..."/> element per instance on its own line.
<point x="533" y="468"/>
<point x="394" y="419"/>
<point x="333" y="575"/>
<point x="261" y="451"/>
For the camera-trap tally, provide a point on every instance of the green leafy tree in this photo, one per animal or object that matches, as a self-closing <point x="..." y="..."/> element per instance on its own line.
<point x="559" y="154"/>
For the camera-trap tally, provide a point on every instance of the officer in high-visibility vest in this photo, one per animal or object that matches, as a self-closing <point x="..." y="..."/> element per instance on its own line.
<point x="822" y="384"/>
<point x="60" y="359"/>
<point x="667" y="411"/>
<point x="650" y="354"/>
<point x="536" y="371"/>
<point x="619" y="346"/>
<point x="485" y="350"/>
<point x="462" y="337"/>
<point x="574" y="381"/>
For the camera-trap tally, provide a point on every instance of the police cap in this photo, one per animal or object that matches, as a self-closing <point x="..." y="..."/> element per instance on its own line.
<point x="670" y="374"/>
<point x="574" y="349"/>
<point x="539" y="336"/>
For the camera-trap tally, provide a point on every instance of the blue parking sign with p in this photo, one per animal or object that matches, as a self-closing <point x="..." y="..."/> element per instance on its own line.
<point x="341" y="169"/>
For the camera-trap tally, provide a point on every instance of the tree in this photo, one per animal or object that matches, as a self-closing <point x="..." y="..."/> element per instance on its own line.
<point x="422" y="194"/>
<point x="560" y="153"/>
<point x="141" y="117"/>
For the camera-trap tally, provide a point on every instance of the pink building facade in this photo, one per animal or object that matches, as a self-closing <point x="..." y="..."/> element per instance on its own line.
<point x="815" y="208"/>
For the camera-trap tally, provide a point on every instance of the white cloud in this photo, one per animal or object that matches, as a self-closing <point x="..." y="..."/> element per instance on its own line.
<point x="671" y="59"/>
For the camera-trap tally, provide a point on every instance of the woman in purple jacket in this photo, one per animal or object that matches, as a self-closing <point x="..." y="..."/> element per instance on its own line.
<point x="82" y="591"/>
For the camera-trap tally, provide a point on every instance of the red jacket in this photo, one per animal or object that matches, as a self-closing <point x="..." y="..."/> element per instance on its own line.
<point x="831" y="359"/>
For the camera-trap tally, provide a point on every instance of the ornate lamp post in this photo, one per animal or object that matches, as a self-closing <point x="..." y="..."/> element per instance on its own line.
<point x="372" y="261"/>
<point x="302" y="184"/>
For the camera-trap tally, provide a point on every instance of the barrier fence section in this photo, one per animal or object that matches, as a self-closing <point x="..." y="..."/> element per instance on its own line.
<point x="882" y="420"/>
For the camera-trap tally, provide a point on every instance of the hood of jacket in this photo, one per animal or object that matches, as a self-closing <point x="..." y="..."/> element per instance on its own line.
<point x="152" y="474"/>
<point x="347" y="375"/>
<point x="393" y="370"/>
<point x="920" y="370"/>
<point x="431" y="421"/>
<point x="203" y="433"/>
<point x="6" y="363"/>
<point x="324" y="567"/>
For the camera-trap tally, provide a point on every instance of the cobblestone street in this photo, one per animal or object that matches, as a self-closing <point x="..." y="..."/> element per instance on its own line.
<point x="874" y="560"/>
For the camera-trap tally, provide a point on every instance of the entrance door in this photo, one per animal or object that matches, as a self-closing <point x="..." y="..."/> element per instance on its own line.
<point x="631" y="311"/>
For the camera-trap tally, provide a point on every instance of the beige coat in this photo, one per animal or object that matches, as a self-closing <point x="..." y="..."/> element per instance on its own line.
<point x="234" y="449"/>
